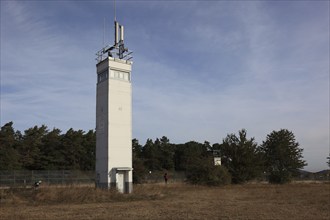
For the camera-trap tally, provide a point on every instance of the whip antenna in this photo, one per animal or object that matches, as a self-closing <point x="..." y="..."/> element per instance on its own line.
<point x="103" y="32"/>
<point x="114" y="9"/>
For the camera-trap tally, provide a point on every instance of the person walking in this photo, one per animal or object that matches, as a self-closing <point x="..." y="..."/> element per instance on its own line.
<point x="165" y="178"/>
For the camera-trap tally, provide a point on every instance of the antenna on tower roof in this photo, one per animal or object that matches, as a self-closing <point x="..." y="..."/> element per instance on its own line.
<point x="103" y="32"/>
<point x="118" y="50"/>
<point x="114" y="9"/>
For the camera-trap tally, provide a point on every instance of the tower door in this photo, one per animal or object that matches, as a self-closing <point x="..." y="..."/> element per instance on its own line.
<point x="120" y="181"/>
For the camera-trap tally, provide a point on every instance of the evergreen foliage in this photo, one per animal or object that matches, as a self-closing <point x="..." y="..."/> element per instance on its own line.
<point x="203" y="172"/>
<point x="9" y="140"/>
<point x="39" y="148"/>
<point x="139" y="170"/>
<point x="282" y="155"/>
<point x="241" y="156"/>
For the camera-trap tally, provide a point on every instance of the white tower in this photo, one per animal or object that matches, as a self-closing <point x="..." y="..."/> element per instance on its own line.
<point x="114" y="116"/>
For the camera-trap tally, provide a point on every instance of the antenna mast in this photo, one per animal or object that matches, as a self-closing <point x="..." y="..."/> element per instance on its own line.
<point x="118" y="50"/>
<point x="114" y="9"/>
<point x="103" y="32"/>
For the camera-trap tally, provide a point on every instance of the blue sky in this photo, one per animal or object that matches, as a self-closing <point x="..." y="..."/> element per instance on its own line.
<point x="202" y="69"/>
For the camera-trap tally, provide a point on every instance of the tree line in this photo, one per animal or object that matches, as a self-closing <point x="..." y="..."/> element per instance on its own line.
<point x="39" y="148"/>
<point x="279" y="157"/>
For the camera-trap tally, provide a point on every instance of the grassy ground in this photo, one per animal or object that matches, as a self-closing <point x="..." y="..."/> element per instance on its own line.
<point x="173" y="201"/>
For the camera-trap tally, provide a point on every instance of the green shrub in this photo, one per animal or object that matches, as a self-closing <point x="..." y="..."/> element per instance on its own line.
<point x="279" y="177"/>
<point x="204" y="172"/>
<point x="139" y="171"/>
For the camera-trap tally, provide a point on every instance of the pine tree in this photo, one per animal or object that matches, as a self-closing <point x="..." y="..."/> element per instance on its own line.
<point x="241" y="157"/>
<point x="9" y="157"/>
<point x="283" y="157"/>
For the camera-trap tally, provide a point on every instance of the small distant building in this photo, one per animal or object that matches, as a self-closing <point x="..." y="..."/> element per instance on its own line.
<point x="217" y="157"/>
<point x="217" y="161"/>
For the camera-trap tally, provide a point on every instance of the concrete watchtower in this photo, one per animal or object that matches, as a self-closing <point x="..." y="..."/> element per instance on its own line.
<point x="114" y="116"/>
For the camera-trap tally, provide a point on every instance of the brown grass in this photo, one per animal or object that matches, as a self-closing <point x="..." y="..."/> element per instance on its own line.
<point x="174" y="201"/>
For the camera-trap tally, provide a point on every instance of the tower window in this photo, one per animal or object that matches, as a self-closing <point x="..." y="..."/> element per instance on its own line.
<point x="102" y="76"/>
<point x="125" y="76"/>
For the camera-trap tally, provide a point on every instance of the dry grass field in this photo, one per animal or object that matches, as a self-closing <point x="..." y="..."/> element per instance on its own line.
<point x="172" y="201"/>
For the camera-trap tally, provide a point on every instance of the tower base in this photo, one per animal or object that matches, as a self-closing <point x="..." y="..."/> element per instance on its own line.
<point x="118" y="178"/>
